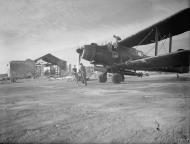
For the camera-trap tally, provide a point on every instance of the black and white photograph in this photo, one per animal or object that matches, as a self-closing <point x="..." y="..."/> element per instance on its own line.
<point x="94" y="72"/>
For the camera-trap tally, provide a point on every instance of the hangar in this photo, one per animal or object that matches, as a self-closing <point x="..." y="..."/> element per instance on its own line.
<point x="50" y="65"/>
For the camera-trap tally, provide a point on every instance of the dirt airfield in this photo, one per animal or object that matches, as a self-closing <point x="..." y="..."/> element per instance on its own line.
<point x="153" y="109"/>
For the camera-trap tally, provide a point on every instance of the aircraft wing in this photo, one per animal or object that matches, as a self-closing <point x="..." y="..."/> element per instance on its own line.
<point x="178" y="61"/>
<point x="173" y="25"/>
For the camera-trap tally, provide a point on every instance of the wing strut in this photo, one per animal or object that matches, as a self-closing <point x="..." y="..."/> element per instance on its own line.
<point x="170" y="43"/>
<point x="156" y="42"/>
<point x="145" y="38"/>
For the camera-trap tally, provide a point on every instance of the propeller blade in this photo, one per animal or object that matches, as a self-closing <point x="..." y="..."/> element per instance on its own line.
<point x="79" y="51"/>
<point x="80" y="58"/>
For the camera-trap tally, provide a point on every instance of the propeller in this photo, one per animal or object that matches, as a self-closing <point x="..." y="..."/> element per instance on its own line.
<point x="79" y="51"/>
<point x="80" y="54"/>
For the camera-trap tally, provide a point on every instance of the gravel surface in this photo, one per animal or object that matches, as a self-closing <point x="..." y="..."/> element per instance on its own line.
<point x="154" y="109"/>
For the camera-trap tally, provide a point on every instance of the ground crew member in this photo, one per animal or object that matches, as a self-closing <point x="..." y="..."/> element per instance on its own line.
<point x="117" y="38"/>
<point x="83" y="74"/>
<point x="75" y="74"/>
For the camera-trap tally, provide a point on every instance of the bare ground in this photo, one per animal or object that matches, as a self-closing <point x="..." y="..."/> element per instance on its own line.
<point x="154" y="109"/>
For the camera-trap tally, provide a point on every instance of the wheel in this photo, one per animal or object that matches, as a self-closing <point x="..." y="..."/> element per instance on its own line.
<point x="103" y="78"/>
<point x="140" y="74"/>
<point x="117" y="78"/>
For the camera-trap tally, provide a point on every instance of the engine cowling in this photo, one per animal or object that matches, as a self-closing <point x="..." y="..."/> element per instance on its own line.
<point x="89" y="52"/>
<point x="96" y="54"/>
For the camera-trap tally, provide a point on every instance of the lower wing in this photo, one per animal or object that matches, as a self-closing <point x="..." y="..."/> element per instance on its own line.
<point x="178" y="62"/>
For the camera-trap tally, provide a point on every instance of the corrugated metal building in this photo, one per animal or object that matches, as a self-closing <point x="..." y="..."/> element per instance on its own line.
<point x="21" y="69"/>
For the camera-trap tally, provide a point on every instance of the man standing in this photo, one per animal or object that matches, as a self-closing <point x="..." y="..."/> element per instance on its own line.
<point x="117" y="38"/>
<point x="83" y="74"/>
<point x="75" y="74"/>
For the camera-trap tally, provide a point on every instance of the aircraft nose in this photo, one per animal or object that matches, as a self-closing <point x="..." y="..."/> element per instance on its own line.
<point x="89" y="52"/>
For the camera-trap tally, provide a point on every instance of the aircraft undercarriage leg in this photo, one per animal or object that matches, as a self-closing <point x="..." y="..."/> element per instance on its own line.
<point x="103" y="77"/>
<point x="123" y="78"/>
<point x="177" y="75"/>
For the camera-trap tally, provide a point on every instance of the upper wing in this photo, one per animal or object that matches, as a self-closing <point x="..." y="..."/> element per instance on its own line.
<point x="173" y="25"/>
<point x="178" y="61"/>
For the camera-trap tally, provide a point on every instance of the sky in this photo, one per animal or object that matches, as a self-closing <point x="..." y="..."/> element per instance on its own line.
<point x="33" y="28"/>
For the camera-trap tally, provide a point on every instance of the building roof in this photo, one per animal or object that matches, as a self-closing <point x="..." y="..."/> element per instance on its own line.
<point x="53" y="60"/>
<point x="22" y="61"/>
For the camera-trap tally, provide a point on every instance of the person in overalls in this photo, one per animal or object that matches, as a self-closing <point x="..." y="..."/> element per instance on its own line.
<point x="75" y="74"/>
<point x="83" y="74"/>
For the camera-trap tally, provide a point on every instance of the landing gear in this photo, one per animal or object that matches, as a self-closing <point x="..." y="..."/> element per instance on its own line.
<point x="123" y="78"/>
<point x="140" y="74"/>
<point x="116" y="78"/>
<point x="103" y="78"/>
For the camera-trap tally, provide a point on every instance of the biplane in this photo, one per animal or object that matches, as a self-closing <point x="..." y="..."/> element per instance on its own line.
<point x="121" y="58"/>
